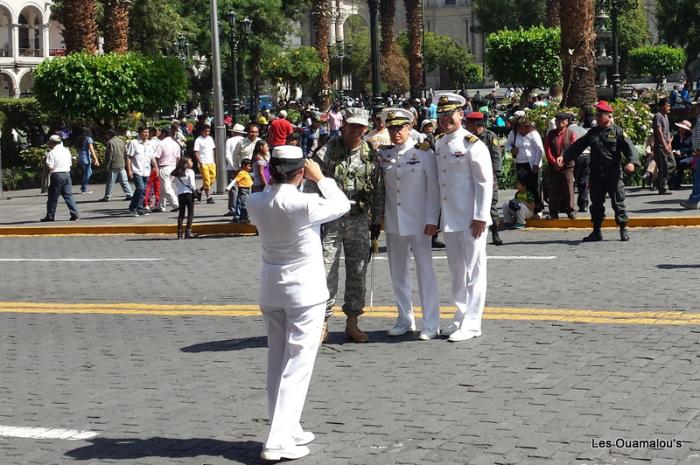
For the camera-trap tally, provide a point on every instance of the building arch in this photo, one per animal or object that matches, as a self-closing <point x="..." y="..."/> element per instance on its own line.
<point x="36" y="9"/>
<point x="30" y="32"/>
<point x="5" y="30"/>
<point x="8" y="84"/>
<point x="26" y="82"/>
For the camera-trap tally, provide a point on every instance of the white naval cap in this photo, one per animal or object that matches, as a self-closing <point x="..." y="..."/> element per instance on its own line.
<point x="286" y="159"/>
<point x="447" y="103"/>
<point x="396" y="116"/>
<point x="55" y="138"/>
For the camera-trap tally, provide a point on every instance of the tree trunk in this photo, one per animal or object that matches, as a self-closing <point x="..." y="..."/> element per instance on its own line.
<point x="387" y="11"/>
<point x="321" y="17"/>
<point x="414" y="20"/>
<point x="578" y="52"/>
<point x="553" y="13"/>
<point x="79" y="25"/>
<point x="116" y="24"/>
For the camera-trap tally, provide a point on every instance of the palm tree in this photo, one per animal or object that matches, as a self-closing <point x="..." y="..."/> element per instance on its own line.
<point x="79" y="25"/>
<point x="414" y="21"/>
<point x="116" y="24"/>
<point x="387" y="11"/>
<point x="553" y="13"/>
<point x="578" y="52"/>
<point x="321" y="17"/>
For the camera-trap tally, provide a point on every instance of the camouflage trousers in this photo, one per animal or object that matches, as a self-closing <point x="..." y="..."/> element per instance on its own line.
<point x="351" y="235"/>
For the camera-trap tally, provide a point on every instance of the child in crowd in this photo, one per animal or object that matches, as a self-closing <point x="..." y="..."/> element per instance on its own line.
<point x="184" y="184"/>
<point x="244" y="181"/>
<point x="261" y="173"/>
<point x="521" y="207"/>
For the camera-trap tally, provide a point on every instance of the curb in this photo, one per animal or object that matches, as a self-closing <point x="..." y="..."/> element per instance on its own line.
<point x="247" y="229"/>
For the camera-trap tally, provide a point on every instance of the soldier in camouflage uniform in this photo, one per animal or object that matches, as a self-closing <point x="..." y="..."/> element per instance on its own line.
<point x="352" y="162"/>
<point x="476" y="125"/>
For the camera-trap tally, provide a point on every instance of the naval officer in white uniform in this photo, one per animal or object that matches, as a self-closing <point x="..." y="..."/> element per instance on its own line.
<point x="293" y="290"/>
<point x="466" y="181"/>
<point x="411" y="214"/>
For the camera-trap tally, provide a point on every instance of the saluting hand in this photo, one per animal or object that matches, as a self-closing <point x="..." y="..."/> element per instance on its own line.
<point x="312" y="171"/>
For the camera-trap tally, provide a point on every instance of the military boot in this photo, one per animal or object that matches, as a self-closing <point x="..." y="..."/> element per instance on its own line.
<point x="496" y="238"/>
<point x="624" y="236"/>
<point x="595" y="236"/>
<point x="352" y="332"/>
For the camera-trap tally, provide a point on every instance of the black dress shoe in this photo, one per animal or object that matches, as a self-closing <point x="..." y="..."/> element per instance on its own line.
<point x="74" y="217"/>
<point x="45" y="219"/>
<point x="571" y="215"/>
<point x="623" y="235"/>
<point x="595" y="236"/>
<point x="583" y="209"/>
<point x="438" y="244"/>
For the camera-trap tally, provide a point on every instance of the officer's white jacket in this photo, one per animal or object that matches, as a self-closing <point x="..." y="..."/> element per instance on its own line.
<point x="289" y="223"/>
<point x="465" y="179"/>
<point x="411" y="191"/>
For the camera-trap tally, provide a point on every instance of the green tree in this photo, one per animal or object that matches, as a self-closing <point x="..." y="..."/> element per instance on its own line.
<point x="634" y="33"/>
<point x="443" y="52"/>
<point x="657" y="61"/>
<point x="103" y="88"/>
<point x="527" y="58"/>
<point x="293" y="68"/>
<point x="495" y="15"/>
<point x="679" y="24"/>
<point x="155" y="25"/>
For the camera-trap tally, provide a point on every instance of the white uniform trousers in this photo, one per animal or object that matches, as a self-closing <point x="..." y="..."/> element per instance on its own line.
<point x="399" y="265"/>
<point x="293" y="338"/>
<point x="466" y="257"/>
<point x="166" y="187"/>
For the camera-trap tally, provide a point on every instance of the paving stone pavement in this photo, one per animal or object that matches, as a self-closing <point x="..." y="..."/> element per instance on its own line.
<point x="190" y="389"/>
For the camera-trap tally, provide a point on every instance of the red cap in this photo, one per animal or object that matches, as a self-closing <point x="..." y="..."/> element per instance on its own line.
<point x="602" y="105"/>
<point x="475" y="115"/>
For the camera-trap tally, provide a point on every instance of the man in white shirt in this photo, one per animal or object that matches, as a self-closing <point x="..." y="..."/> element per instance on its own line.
<point x="204" y="148"/>
<point x="525" y="144"/>
<point x="138" y="166"/>
<point x="293" y="290"/>
<point x="167" y="155"/>
<point x="411" y="213"/>
<point x="58" y="161"/>
<point x="244" y="149"/>
<point x="233" y="165"/>
<point x="465" y="179"/>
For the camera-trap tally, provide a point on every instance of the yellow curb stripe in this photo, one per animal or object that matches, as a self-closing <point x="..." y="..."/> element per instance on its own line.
<point x="490" y="313"/>
<point x="232" y="228"/>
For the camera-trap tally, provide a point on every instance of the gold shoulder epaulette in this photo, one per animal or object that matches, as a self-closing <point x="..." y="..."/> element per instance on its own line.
<point x="436" y="138"/>
<point x="386" y="147"/>
<point x="471" y="138"/>
<point x="424" y="146"/>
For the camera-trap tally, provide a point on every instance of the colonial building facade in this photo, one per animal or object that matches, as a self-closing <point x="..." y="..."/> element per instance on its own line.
<point x="27" y="37"/>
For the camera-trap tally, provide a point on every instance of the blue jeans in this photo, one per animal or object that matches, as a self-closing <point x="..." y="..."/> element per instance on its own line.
<point x="87" y="172"/>
<point x="117" y="174"/>
<point x="60" y="186"/>
<point x="242" y="203"/>
<point x="695" y="195"/>
<point x="139" y="193"/>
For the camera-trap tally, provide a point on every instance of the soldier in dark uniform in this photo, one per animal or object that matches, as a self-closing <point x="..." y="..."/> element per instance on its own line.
<point x="475" y="124"/>
<point x="608" y="144"/>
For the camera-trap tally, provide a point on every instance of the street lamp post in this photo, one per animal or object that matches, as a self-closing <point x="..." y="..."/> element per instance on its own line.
<point x="181" y="48"/>
<point x="233" y="42"/>
<point x="219" y="127"/>
<point x="374" y="47"/>
<point x="340" y="52"/>
<point x="616" y="7"/>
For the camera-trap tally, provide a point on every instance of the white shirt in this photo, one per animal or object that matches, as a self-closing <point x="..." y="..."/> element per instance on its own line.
<point x="289" y="223"/>
<point x="411" y="189"/>
<point x="244" y="149"/>
<point x="205" y="147"/>
<point x="140" y="157"/>
<point x="168" y="152"/>
<point x="530" y="148"/>
<point x="184" y="184"/>
<point x="231" y="145"/>
<point x="465" y="177"/>
<point x="59" y="160"/>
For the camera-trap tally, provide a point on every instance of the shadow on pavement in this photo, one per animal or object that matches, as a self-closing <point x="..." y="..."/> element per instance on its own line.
<point x="228" y="344"/>
<point x="507" y="241"/>
<point x="675" y="267"/>
<point x="245" y="452"/>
